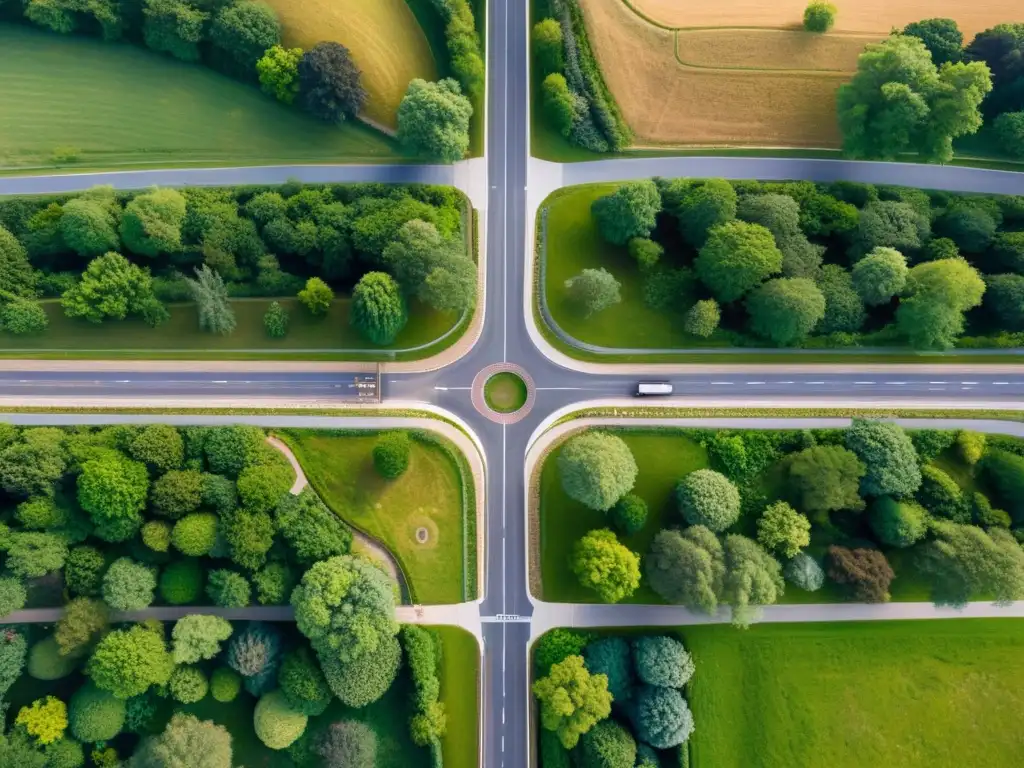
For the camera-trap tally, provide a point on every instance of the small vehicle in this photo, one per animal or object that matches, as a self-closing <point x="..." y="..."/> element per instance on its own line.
<point x="651" y="388"/>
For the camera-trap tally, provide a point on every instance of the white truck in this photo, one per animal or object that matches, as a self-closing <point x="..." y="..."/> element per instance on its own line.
<point x="653" y="388"/>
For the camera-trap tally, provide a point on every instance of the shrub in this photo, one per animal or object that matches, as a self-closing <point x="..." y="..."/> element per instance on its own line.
<point x="156" y="534"/>
<point x="225" y="684"/>
<point x="229" y="450"/>
<point x="277" y="724"/>
<point x="23" y="317"/>
<point x="601" y="563"/>
<point x="83" y="570"/>
<point x="1005" y="472"/>
<point x="12" y="595"/>
<point x="628" y="212"/>
<point x="819" y="17"/>
<point x="645" y="252"/>
<point x="898" y="523"/>
<point x="128" y="585"/>
<point x="274" y="583"/>
<point x="609" y="656"/>
<point x="181" y="582"/>
<point x="303" y="684"/>
<point x="663" y="661"/>
<point x="83" y="622"/>
<point x="702" y="318"/>
<point x="940" y="495"/>
<point x="865" y="572"/>
<point x="707" y="498"/>
<point x="607" y="745"/>
<point x="194" y="535"/>
<point x="889" y="458"/>
<point x="1009" y="132"/>
<point x="177" y="493"/>
<point x="661" y="717"/>
<point x="557" y="645"/>
<point x="198" y="637"/>
<point x="261" y="487"/>
<point x="316" y="297"/>
<point x="275" y="321"/>
<point x="347" y="742"/>
<point x="929" y="443"/>
<point x="964" y="562"/>
<point x="188" y="685"/>
<point x="804" y="573"/>
<point x="95" y="715"/>
<point x="391" y="454"/>
<point x="597" y="469"/>
<point x="228" y="589"/>
<point x="45" y="719"/>
<point x="629" y="514"/>
<point x="572" y="701"/>
<point x="782" y="529"/>
<point x="127" y="662"/>
<point x="313" y="531"/>
<point x="46" y="662"/>
<point x="378" y="308"/>
<point x="547" y="45"/>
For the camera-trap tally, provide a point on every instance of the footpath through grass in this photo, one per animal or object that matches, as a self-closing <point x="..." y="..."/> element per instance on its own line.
<point x="121" y="105"/>
<point x="428" y="496"/>
<point x="333" y="331"/>
<point x="663" y="457"/>
<point x="913" y="694"/>
<point x="460" y="686"/>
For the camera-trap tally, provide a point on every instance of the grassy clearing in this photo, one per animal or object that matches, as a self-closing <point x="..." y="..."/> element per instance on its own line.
<point x="146" y="109"/>
<point x="505" y="392"/>
<point x="663" y="457"/>
<point x="859" y="16"/>
<point x="181" y="332"/>
<point x="460" y="685"/>
<point x="384" y="37"/>
<point x="906" y="693"/>
<point x="428" y="495"/>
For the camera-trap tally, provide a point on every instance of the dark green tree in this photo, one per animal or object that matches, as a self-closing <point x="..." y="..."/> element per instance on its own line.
<point x="330" y="83"/>
<point x="151" y="223"/>
<point x="736" y="258"/>
<point x="391" y="454"/>
<point x="628" y="212"/>
<point x="942" y="38"/>
<point x="378" y="308"/>
<point x="704" y="207"/>
<point x="786" y="309"/>
<point x="244" y="31"/>
<point x="819" y="16"/>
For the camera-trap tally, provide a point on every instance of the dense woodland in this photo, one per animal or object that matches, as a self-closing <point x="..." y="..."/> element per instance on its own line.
<point x="109" y="255"/>
<point x="627" y="700"/>
<point x="119" y="518"/>
<point x="803" y="507"/>
<point x="753" y="263"/>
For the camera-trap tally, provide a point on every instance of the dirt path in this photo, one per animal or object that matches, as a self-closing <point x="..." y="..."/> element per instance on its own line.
<point x="366" y="545"/>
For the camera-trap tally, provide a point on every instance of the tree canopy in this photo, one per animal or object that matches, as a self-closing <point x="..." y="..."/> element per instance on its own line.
<point x="597" y="469"/>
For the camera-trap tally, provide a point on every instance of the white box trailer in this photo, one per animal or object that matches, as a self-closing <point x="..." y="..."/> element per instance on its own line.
<point x="653" y="388"/>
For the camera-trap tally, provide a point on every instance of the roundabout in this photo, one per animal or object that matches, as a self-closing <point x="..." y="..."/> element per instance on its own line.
<point x="504" y="393"/>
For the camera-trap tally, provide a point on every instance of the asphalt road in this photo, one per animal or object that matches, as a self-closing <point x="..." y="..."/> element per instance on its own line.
<point x="507" y="608"/>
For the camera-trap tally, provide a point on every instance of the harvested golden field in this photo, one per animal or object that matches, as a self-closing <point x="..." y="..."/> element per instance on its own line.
<point x="384" y="37"/>
<point x="854" y="15"/>
<point x="773" y="49"/>
<point x="665" y="102"/>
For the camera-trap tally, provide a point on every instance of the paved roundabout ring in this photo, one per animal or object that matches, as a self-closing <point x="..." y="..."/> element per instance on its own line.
<point x="480" y="400"/>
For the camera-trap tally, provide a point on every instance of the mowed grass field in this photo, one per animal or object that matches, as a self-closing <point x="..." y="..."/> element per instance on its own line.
<point x="305" y="332"/>
<point x="664" y="457"/>
<point x="121" y="105"/>
<point x="742" y="72"/>
<point x="428" y="495"/>
<point x="913" y="694"/>
<point x="386" y="41"/>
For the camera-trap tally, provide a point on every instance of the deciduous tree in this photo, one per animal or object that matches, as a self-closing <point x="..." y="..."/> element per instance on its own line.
<point x="593" y="290"/>
<point x="278" y="70"/>
<point x="864" y="572"/>
<point x="83" y="623"/>
<point x="378" y="308"/>
<point x="110" y="287"/>
<point x="782" y="529"/>
<point x="601" y="563"/>
<point x="547" y="45"/>
<point x="785" y="310"/>
<point x="572" y="701"/>
<point x="736" y="258"/>
<point x="433" y="120"/>
<point x="151" y="223"/>
<point x="703" y="207"/>
<point x="198" y="637"/>
<point x="662" y="661"/>
<point x="330" y="83"/>
<point x="880" y="275"/>
<point x="942" y="38"/>
<point x="687" y="567"/>
<point x="708" y="498"/>
<point x="628" y="212"/>
<point x="661" y="716"/>
<point x="608" y="744"/>
<point x="313" y="531"/>
<point x="898" y="523"/>
<point x="826" y="478"/>
<point x="128" y="586"/>
<point x="889" y="457"/>
<point x="127" y="661"/>
<point x="244" y="31"/>
<point x="819" y="16"/>
<point x="597" y="469"/>
<point x="186" y="742"/>
<point x="965" y="562"/>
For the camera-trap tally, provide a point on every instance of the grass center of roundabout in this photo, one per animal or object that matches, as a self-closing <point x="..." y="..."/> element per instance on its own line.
<point x="505" y="392"/>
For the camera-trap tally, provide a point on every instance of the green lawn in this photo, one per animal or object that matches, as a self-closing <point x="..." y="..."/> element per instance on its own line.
<point x="429" y="495"/>
<point x="913" y="694"/>
<point x="122" y="105"/>
<point x="332" y="332"/>
<point x="460" y="685"/>
<point x="505" y="392"/>
<point x="663" y="457"/>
